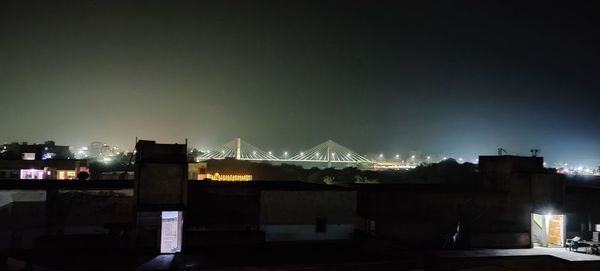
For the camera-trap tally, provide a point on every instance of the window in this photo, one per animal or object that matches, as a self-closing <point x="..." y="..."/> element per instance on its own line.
<point x="321" y="224"/>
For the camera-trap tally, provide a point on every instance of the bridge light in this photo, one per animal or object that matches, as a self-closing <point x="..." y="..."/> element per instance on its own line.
<point x="332" y="154"/>
<point x="348" y="154"/>
<point x="285" y="153"/>
<point x="301" y="153"/>
<point x="428" y="157"/>
<point x="223" y="152"/>
<point x="254" y="152"/>
<point x="412" y="157"/>
<point x="397" y="155"/>
<point x="381" y="155"/>
<point x="270" y="153"/>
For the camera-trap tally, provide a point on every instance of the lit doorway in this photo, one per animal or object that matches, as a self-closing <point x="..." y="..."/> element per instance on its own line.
<point x="170" y="231"/>
<point x="547" y="230"/>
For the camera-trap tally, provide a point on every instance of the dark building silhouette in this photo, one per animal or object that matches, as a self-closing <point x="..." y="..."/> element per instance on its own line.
<point x="513" y="203"/>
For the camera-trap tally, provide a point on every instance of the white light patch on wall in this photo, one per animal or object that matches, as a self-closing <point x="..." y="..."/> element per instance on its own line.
<point x="28" y="156"/>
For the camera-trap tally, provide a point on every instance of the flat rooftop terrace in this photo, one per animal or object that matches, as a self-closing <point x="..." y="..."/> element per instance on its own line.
<point x="560" y="253"/>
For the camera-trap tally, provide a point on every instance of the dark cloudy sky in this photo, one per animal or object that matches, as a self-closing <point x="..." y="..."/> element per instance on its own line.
<point x="455" y="78"/>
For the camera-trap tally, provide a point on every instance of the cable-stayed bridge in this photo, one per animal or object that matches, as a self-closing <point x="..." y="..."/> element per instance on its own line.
<point x="328" y="152"/>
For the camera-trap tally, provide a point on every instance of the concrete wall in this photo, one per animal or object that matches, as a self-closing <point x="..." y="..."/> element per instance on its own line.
<point x="22" y="218"/>
<point x="547" y="193"/>
<point x="428" y="217"/>
<point x="33" y="215"/>
<point x="293" y="215"/>
<point x="224" y="207"/>
<point x="160" y="176"/>
<point x="581" y="205"/>
<point x="161" y="184"/>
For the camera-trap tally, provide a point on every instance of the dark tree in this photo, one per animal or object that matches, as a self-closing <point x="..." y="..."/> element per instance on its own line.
<point x="82" y="176"/>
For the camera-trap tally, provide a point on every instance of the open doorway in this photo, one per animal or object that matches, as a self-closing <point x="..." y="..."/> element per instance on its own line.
<point x="170" y="231"/>
<point x="547" y="230"/>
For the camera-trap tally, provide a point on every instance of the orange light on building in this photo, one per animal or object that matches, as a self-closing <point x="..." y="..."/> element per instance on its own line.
<point x="229" y="177"/>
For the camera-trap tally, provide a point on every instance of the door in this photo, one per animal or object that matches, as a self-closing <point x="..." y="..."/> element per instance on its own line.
<point x="555" y="230"/>
<point x="170" y="232"/>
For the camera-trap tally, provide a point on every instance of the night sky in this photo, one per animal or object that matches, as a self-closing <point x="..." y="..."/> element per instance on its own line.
<point x="453" y="78"/>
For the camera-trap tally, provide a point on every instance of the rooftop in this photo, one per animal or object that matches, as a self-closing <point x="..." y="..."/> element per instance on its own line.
<point x="561" y="253"/>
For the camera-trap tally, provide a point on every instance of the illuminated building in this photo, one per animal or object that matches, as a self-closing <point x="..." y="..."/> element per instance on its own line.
<point x="25" y="151"/>
<point x="229" y="177"/>
<point x="201" y="171"/>
<point x="42" y="169"/>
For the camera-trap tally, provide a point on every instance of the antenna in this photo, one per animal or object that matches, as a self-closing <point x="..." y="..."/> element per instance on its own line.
<point x="534" y="152"/>
<point x="501" y="151"/>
